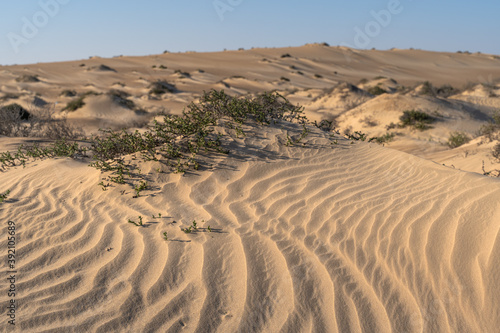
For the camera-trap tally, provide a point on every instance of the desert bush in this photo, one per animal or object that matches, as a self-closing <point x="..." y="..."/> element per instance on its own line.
<point x="416" y="119"/>
<point x="75" y="104"/>
<point x="12" y="120"/>
<point x="15" y="109"/>
<point x="496" y="152"/>
<point x="121" y="97"/>
<point x="457" y="139"/>
<point x="446" y="91"/>
<point x="492" y="130"/>
<point x="178" y="139"/>
<point x="103" y="68"/>
<point x="286" y="55"/>
<point x="182" y="74"/>
<point x="28" y="78"/>
<point x="38" y="121"/>
<point x="283" y="78"/>
<point x="376" y="90"/>
<point x="428" y="89"/>
<point x="78" y="102"/>
<point x="68" y="93"/>
<point x="383" y="139"/>
<point x="161" y="87"/>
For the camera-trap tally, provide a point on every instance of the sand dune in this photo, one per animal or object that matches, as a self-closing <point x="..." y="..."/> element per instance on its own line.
<point x="319" y="238"/>
<point x="333" y="235"/>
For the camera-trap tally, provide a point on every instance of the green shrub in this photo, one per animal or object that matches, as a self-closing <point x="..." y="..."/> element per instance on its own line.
<point x="376" y="90"/>
<point x="121" y="97"/>
<point x="161" y="87"/>
<point x="388" y="137"/>
<point x="428" y="89"/>
<point x="75" y="104"/>
<point x="457" y="139"/>
<point x="3" y="196"/>
<point x="416" y="119"/>
<point x="492" y="129"/>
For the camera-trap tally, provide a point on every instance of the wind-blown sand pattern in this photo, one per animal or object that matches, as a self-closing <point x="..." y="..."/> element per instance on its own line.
<point x="314" y="238"/>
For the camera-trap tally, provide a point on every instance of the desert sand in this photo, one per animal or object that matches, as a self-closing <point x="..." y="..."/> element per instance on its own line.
<point x="354" y="236"/>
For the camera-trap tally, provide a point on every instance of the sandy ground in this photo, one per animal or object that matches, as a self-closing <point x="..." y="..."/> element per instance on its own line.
<point x="347" y="237"/>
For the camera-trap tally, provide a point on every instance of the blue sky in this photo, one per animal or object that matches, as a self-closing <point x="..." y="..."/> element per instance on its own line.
<point x="57" y="30"/>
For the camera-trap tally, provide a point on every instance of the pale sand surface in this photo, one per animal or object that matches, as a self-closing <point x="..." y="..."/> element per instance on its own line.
<point x="321" y="237"/>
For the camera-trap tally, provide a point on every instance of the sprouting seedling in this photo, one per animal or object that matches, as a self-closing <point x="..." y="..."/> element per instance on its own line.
<point x="133" y="222"/>
<point x="140" y="220"/>
<point x="4" y="196"/>
<point x="104" y="186"/>
<point x="195" y="227"/>
<point x="159" y="215"/>
<point x="165" y="236"/>
<point x="209" y="229"/>
<point x="188" y="230"/>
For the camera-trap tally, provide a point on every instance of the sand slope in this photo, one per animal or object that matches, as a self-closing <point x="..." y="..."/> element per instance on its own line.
<point x="314" y="238"/>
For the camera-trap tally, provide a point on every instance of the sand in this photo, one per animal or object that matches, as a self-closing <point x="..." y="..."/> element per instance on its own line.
<point x="321" y="237"/>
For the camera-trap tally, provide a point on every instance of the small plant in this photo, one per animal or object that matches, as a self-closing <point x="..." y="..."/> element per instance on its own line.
<point x="141" y="187"/>
<point x="457" y="139"/>
<point x="209" y="229"/>
<point x="4" y="196"/>
<point x="104" y="186"/>
<point x="165" y="236"/>
<point x="135" y="223"/>
<point x="187" y="230"/>
<point x="358" y="136"/>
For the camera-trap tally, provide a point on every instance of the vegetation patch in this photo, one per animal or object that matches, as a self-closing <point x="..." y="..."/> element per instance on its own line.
<point x="28" y="78"/>
<point x="416" y="119"/>
<point x="161" y="87"/>
<point x="492" y="130"/>
<point x="68" y="93"/>
<point x="457" y="139"/>
<point x="13" y="111"/>
<point x="376" y="90"/>
<point x="496" y="152"/>
<point x="388" y="137"/>
<point x="121" y="98"/>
